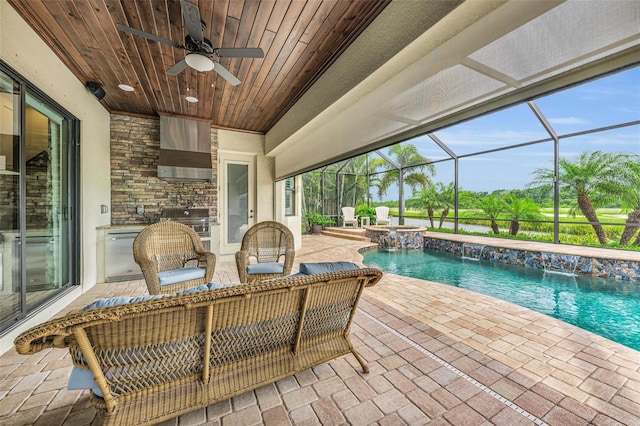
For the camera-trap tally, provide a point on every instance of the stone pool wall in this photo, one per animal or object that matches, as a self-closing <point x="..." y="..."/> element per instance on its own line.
<point x="396" y="237"/>
<point x="625" y="270"/>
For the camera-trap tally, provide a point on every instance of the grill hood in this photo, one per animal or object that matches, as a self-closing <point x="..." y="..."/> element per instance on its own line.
<point x="185" y="149"/>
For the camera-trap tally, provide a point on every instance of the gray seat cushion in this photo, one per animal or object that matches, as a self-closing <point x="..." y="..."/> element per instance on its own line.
<point x="173" y="276"/>
<point x="322" y="267"/>
<point x="120" y="300"/>
<point x="265" y="268"/>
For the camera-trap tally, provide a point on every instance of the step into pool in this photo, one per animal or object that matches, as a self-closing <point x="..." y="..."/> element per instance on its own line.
<point x="606" y="307"/>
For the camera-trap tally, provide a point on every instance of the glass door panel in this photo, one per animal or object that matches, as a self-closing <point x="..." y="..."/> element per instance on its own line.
<point x="237" y="198"/>
<point x="46" y="243"/>
<point x="11" y="301"/>
<point x="237" y="202"/>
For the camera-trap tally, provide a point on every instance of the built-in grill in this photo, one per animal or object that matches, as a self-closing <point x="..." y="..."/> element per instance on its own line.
<point x="197" y="219"/>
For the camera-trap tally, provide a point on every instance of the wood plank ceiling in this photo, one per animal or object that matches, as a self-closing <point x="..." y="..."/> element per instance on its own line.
<point x="300" y="40"/>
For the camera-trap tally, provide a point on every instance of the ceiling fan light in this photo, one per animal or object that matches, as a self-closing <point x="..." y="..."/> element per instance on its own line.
<point x="199" y="62"/>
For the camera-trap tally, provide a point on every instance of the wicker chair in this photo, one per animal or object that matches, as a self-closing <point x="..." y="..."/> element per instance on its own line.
<point x="266" y="242"/>
<point x="170" y="255"/>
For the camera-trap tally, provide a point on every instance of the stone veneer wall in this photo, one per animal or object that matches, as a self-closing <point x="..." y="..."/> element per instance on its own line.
<point x="624" y="270"/>
<point x="394" y="237"/>
<point x="135" y="148"/>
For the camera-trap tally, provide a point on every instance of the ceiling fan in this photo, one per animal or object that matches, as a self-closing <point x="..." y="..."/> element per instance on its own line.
<point x="200" y="50"/>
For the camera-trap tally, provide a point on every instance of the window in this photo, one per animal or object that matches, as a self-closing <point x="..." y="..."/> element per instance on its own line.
<point x="290" y="197"/>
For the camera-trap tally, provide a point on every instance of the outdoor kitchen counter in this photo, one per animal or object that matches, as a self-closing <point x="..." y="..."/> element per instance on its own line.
<point x="128" y="228"/>
<point x="104" y="233"/>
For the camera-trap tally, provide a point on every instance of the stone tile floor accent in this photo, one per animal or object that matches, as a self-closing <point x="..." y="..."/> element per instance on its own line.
<point x="438" y="355"/>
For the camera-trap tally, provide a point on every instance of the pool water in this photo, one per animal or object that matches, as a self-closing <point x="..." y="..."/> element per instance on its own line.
<point x="606" y="307"/>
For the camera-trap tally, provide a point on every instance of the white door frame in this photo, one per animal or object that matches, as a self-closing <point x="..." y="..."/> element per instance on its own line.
<point x="227" y="158"/>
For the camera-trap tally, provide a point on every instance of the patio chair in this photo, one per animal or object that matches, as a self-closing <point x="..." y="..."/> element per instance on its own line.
<point x="170" y="255"/>
<point x="382" y="215"/>
<point x="348" y="217"/>
<point x="267" y="243"/>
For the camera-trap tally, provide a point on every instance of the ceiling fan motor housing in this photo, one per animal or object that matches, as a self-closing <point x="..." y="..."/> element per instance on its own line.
<point x="195" y="46"/>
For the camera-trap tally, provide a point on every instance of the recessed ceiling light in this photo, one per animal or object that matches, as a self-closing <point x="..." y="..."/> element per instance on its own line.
<point x="191" y="99"/>
<point x="126" y="87"/>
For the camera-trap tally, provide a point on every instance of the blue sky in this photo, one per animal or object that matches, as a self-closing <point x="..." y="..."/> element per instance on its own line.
<point x="603" y="102"/>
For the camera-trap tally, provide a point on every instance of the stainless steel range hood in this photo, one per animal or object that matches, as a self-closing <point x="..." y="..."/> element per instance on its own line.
<point x="185" y="149"/>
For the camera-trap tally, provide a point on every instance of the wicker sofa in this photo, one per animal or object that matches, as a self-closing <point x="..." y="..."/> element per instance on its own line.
<point x="153" y="358"/>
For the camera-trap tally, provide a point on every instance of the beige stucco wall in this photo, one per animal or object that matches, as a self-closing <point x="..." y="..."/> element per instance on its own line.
<point x="269" y="205"/>
<point x="27" y="54"/>
<point x="293" y="222"/>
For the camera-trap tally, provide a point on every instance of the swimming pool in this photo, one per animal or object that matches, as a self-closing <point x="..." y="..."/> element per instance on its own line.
<point x="606" y="307"/>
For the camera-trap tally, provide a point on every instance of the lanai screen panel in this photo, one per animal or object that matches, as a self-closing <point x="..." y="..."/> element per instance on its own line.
<point x="516" y="45"/>
<point x="560" y="39"/>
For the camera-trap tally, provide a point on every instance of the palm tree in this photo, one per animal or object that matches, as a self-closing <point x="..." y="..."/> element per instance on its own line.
<point x="517" y="209"/>
<point x="353" y="181"/>
<point x="466" y="199"/>
<point x="492" y="206"/>
<point x="404" y="156"/>
<point x="426" y="199"/>
<point x="591" y="178"/>
<point x="446" y="200"/>
<point x="312" y="192"/>
<point x="630" y="194"/>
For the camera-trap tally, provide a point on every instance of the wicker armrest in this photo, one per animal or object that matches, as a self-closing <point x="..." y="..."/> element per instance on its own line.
<point x="288" y="261"/>
<point x="210" y="260"/>
<point x="242" y="262"/>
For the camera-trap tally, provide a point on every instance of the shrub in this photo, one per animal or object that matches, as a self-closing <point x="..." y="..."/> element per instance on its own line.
<point x="364" y="210"/>
<point x="315" y="218"/>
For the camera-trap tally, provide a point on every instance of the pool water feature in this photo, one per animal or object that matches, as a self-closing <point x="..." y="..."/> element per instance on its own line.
<point x="606" y="307"/>
<point x="396" y="237"/>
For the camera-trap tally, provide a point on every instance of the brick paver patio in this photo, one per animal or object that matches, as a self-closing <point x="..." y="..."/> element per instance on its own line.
<point x="438" y="354"/>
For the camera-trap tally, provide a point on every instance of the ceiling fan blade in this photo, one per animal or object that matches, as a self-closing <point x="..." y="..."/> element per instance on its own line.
<point x="149" y="36"/>
<point x="224" y="73"/>
<point x="239" y="52"/>
<point x="177" y="68"/>
<point x="192" y="19"/>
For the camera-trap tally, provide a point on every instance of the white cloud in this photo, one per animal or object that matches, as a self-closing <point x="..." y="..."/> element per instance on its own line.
<point x="568" y="120"/>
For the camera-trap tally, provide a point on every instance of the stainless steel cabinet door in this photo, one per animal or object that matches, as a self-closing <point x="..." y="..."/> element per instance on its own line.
<point x="120" y="265"/>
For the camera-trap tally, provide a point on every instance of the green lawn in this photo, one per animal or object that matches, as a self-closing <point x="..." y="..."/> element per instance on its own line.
<point x="573" y="230"/>
<point x="612" y="216"/>
<point x="605" y="215"/>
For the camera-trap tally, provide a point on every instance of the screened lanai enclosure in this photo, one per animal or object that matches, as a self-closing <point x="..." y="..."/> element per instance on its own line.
<point x="563" y="167"/>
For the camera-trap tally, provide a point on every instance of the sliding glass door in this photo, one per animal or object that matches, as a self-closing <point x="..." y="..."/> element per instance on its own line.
<point x="11" y="302"/>
<point x="37" y="181"/>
